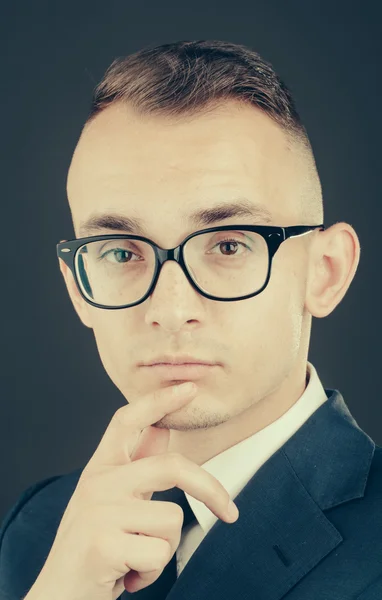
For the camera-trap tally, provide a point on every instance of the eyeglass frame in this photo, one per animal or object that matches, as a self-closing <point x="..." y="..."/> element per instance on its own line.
<point x="273" y="235"/>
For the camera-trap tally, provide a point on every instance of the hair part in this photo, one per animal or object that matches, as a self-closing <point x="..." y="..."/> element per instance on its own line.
<point x="185" y="79"/>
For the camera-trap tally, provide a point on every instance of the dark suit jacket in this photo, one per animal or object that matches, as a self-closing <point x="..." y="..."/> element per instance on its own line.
<point x="310" y="525"/>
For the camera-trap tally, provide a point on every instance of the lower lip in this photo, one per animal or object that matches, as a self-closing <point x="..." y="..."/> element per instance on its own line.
<point x="181" y="372"/>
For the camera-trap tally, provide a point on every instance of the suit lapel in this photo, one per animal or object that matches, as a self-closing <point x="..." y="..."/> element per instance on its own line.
<point x="282" y="532"/>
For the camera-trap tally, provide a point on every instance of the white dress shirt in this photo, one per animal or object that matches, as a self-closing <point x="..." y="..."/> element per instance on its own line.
<point x="250" y="454"/>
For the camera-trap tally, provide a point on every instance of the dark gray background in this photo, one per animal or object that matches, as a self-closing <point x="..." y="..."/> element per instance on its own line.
<point x="56" y="398"/>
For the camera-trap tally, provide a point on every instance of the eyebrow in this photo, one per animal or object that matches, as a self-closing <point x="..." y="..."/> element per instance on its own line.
<point x="202" y="217"/>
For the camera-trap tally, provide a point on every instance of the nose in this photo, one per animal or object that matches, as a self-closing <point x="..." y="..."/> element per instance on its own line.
<point x="174" y="301"/>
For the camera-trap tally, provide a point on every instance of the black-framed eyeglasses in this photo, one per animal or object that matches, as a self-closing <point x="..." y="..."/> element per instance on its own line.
<point x="116" y="271"/>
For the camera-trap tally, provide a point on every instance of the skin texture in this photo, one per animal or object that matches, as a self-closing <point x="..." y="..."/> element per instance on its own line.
<point x="158" y="170"/>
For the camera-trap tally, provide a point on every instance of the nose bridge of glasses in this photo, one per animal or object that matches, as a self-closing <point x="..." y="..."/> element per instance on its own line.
<point x="171" y="254"/>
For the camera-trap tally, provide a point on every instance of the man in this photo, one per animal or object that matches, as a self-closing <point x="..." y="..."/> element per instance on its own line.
<point x="197" y="137"/>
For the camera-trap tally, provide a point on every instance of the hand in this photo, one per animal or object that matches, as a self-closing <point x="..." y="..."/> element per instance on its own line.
<point x="110" y="537"/>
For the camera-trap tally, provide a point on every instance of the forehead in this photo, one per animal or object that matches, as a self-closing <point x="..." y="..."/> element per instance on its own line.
<point x="123" y="160"/>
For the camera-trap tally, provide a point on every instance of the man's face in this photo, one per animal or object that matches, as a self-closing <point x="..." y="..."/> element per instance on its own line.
<point x="160" y="171"/>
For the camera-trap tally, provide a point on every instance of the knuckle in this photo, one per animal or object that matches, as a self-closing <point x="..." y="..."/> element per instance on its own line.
<point x="175" y="516"/>
<point x="152" y="553"/>
<point x="162" y="553"/>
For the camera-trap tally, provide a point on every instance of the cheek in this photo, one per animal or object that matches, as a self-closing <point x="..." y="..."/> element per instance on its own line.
<point x="111" y="339"/>
<point x="266" y="328"/>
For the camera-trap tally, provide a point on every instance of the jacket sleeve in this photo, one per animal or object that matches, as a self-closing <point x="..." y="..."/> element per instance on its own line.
<point x="14" y="534"/>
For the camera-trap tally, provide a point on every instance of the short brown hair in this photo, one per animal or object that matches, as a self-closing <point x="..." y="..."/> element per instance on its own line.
<point x="189" y="78"/>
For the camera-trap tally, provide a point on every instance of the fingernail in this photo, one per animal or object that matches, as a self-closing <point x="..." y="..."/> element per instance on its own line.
<point x="232" y="510"/>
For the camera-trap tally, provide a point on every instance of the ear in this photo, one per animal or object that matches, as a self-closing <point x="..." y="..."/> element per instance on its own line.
<point x="81" y="307"/>
<point x="333" y="261"/>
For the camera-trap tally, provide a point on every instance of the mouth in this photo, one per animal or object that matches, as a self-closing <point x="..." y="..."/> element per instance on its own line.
<point x="180" y="372"/>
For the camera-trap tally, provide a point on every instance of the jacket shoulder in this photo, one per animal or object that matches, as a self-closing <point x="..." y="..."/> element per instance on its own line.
<point x="28" y="530"/>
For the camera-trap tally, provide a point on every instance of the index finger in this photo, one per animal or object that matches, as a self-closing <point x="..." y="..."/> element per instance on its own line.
<point x="128" y="422"/>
